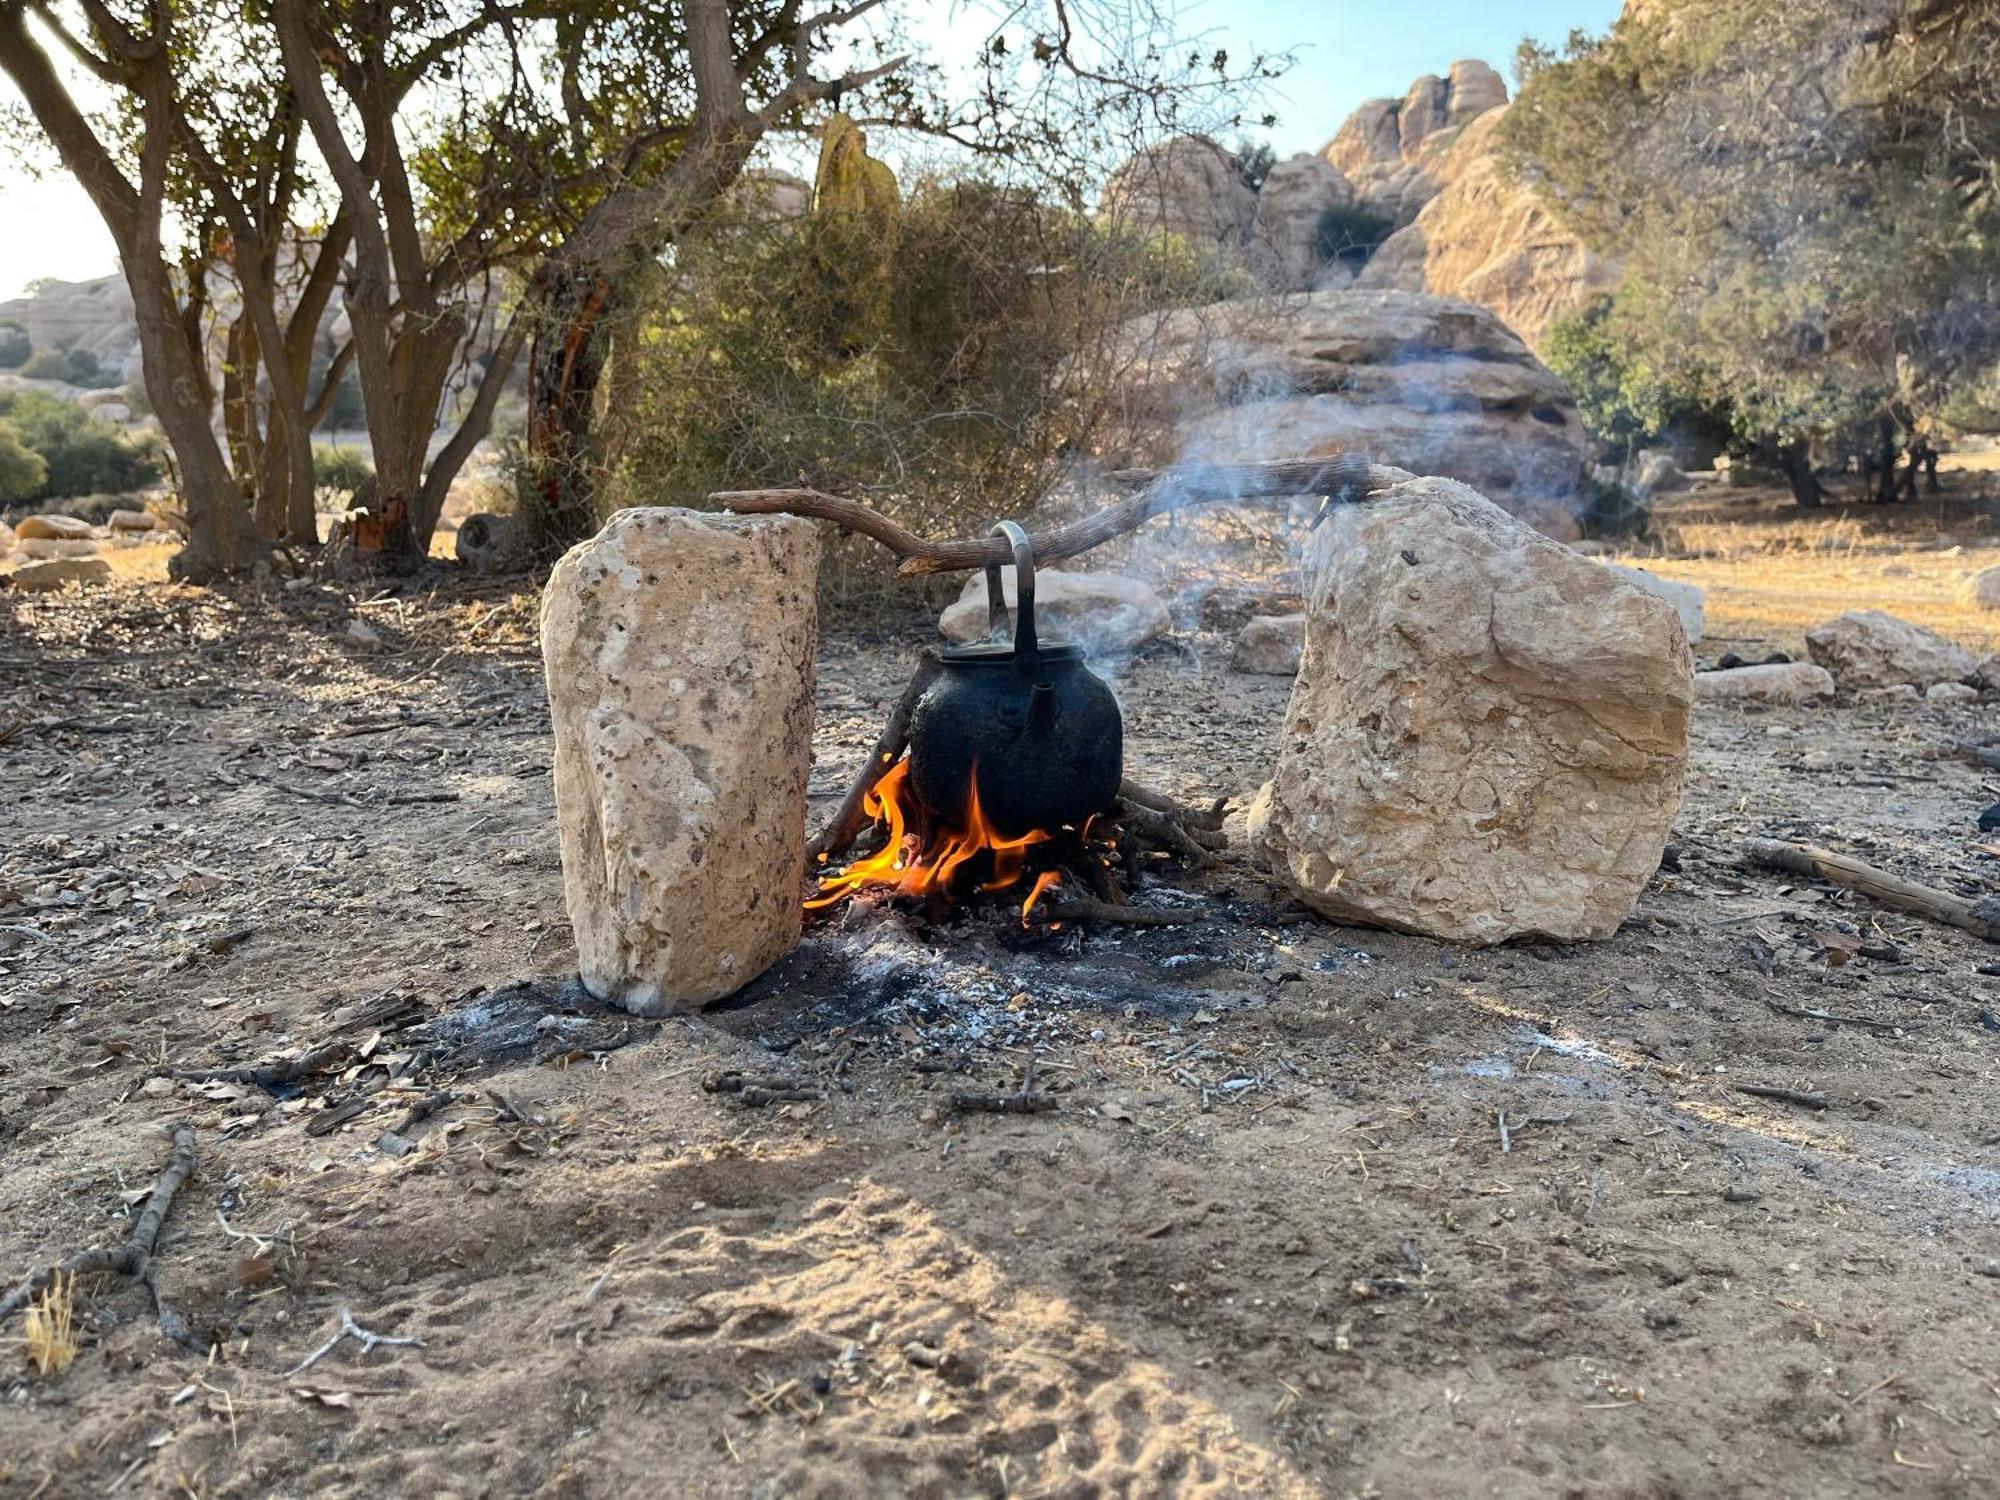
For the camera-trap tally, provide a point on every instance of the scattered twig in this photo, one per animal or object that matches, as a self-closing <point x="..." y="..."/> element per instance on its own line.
<point x="349" y="1329"/>
<point x="1801" y="1097"/>
<point x="134" y="1258"/>
<point x="264" y="1075"/>
<point x="1981" y="918"/>
<point x="754" y="1090"/>
<point x="1506" y="1136"/>
<point x="1085" y="910"/>
<point x="1808" y="1013"/>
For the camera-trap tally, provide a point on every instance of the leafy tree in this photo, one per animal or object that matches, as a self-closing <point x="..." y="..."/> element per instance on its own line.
<point x="15" y="345"/>
<point x="1624" y="399"/>
<point x="1805" y="200"/>
<point x="23" y="473"/>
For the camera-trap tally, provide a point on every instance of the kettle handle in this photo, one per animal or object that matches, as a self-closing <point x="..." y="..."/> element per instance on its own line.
<point x="1027" y="648"/>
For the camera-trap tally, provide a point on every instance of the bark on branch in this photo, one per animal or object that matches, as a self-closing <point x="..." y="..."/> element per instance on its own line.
<point x="1341" y="479"/>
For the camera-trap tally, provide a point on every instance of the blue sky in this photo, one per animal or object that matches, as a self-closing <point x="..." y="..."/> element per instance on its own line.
<point x="1346" y="51"/>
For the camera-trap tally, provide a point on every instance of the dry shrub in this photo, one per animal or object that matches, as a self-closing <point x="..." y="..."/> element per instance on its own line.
<point x="50" y="1327"/>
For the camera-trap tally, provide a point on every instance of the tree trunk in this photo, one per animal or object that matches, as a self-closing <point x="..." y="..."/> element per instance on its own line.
<point x="564" y="370"/>
<point x="1795" y="461"/>
<point x="1885" y="463"/>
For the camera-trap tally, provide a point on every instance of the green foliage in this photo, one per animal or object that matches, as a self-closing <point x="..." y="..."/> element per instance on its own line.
<point x="1351" y="234"/>
<point x="1254" y="161"/>
<point x="15" y="346"/>
<point x="741" y="369"/>
<point x="22" y="470"/>
<point x="1625" y="399"/>
<point x="1809" y="223"/>
<point x="340" y="470"/>
<point x="84" y="454"/>
<point x="74" y="366"/>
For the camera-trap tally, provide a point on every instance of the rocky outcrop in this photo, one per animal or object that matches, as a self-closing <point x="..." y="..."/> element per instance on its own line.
<point x="95" y="316"/>
<point x="679" y="647"/>
<point x="1488" y="735"/>
<point x="1869" y="649"/>
<point x="1271" y="645"/>
<point x="1389" y="148"/>
<point x="1285" y="235"/>
<point x="1106" y="613"/>
<point x="1432" y="385"/>
<point x="1188" y="186"/>
<point x="1790" y="682"/>
<point x="1485" y="236"/>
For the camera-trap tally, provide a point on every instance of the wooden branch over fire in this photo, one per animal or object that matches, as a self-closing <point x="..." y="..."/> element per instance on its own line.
<point x="1341" y="479"/>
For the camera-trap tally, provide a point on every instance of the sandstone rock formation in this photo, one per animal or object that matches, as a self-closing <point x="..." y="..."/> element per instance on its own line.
<point x="1188" y="186"/>
<point x="1106" y="613"/>
<point x="679" y="647"/>
<point x="1868" y="648"/>
<point x="1790" y="682"/>
<point x="1284" y="236"/>
<point x="1390" y="148"/>
<point x="1479" y="234"/>
<point x="54" y="527"/>
<point x="1689" y="602"/>
<point x="1488" y="734"/>
<point x="1271" y="645"/>
<point x="1432" y="385"/>
<point x="1981" y="590"/>
<point x="95" y="316"/>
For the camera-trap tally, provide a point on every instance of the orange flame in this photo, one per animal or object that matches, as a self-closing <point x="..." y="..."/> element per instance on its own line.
<point x="900" y="867"/>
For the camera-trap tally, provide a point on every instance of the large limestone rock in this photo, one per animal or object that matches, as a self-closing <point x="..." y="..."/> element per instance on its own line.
<point x="39" y="577"/>
<point x="1981" y="590"/>
<point x="1432" y="385"/>
<point x="95" y="316"/>
<point x="1787" y="682"/>
<point x="54" y="528"/>
<point x="1188" y="186"/>
<point x="1107" y="613"/>
<point x="1488" y="734"/>
<point x="679" y="647"/>
<point x="1868" y="648"/>
<point x="1689" y="602"/>
<point x="1481" y="234"/>
<point x="1284" y="238"/>
<point x="1271" y="645"/>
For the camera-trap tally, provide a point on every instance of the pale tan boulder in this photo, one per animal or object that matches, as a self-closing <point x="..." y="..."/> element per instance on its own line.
<point x="1188" y="186"/>
<point x="133" y="520"/>
<point x="1106" y="613"/>
<point x="1950" y="693"/>
<point x="1488" y="734"/>
<point x="46" y="546"/>
<point x="1688" y="600"/>
<point x="1787" y="682"/>
<point x="1981" y="590"/>
<point x="1270" y="645"/>
<point x="55" y="528"/>
<point x="1868" y="648"/>
<point x="1285" y="236"/>
<point x="679" y="647"/>
<point x="53" y="573"/>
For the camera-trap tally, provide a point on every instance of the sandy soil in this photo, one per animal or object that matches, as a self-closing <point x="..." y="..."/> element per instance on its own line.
<point x="1274" y="1241"/>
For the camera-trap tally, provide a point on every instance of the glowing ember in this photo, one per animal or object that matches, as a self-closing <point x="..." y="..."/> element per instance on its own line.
<point x="902" y="867"/>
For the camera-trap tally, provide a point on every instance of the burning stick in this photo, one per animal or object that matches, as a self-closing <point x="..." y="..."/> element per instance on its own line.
<point x="852" y="815"/>
<point x="1341" y="479"/>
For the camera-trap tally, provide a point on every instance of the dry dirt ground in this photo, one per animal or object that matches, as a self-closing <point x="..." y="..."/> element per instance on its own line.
<point x="1275" y="1239"/>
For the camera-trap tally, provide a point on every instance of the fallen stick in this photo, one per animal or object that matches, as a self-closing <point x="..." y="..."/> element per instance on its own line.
<point x="1342" y="479"/>
<point x="349" y="1329"/>
<point x="970" y="1102"/>
<point x="1194" y="846"/>
<point x="134" y="1258"/>
<point x="287" y="1070"/>
<point x="1086" y="909"/>
<point x="851" y="817"/>
<point x="1208" y="818"/>
<point x="1981" y="918"/>
<point x="1783" y="1096"/>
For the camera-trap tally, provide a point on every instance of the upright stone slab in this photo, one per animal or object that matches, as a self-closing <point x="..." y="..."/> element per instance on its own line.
<point x="679" y="647"/>
<point x="1488" y="734"/>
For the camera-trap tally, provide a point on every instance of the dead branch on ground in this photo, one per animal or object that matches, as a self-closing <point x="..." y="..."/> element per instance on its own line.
<point x="1981" y="918"/>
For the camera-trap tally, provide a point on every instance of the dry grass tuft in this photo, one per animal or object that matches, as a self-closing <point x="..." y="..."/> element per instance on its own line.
<point x="51" y="1328"/>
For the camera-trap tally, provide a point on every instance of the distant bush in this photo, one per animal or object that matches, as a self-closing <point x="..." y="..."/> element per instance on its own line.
<point x="74" y="366"/>
<point x="1351" y="235"/>
<point x="14" y="345"/>
<point x="85" y="454"/>
<point x="342" y="470"/>
<point x="22" y="472"/>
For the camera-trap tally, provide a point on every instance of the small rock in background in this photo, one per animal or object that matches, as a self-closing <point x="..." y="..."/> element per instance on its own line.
<point x="45" y="546"/>
<point x="491" y="543"/>
<point x="1990" y="819"/>
<point x="1687" y="599"/>
<point x="1868" y="648"/>
<point x="1270" y="645"/>
<point x="1901" y="692"/>
<point x="1654" y="473"/>
<point x="1987" y="673"/>
<point x="54" y="572"/>
<point x="1981" y="590"/>
<point x="1791" y="682"/>
<point x="1103" y="612"/>
<point x="361" y="633"/>
<point x="1950" y="692"/>
<point x="54" y="528"/>
<point x="134" y="520"/>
